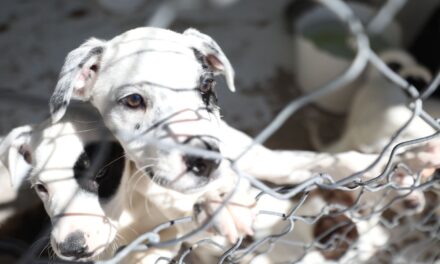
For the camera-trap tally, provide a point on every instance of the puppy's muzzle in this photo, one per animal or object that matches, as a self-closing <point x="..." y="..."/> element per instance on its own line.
<point x="198" y="165"/>
<point x="74" y="246"/>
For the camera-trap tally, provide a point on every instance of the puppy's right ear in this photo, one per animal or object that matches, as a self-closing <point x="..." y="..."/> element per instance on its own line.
<point x="15" y="154"/>
<point x="77" y="76"/>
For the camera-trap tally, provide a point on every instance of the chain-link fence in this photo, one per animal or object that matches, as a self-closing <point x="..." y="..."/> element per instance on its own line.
<point x="389" y="217"/>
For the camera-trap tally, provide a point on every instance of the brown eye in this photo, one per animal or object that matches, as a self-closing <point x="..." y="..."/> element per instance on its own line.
<point x="133" y="101"/>
<point x="207" y="85"/>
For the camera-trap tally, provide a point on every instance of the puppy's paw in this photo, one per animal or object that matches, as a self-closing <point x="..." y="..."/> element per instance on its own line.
<point x="243" y="214"/>
<point x="424" y="159"/>
<point x="234" y="220"/>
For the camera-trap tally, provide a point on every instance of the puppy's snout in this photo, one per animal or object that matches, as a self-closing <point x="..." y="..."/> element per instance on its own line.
<point x="74" y="245"/>
<point x="202" y="166"/>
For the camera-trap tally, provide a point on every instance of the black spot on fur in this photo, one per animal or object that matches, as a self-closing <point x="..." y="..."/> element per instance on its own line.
<point x="209" y="96"/>
<point x="99" y="168"/>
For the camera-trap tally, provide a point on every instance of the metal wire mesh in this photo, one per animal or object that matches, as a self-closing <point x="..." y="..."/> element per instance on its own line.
<point x="412" y="237"/>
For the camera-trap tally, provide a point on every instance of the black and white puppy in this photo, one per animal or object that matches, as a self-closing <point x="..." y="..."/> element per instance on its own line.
<point x="87" y="186"/>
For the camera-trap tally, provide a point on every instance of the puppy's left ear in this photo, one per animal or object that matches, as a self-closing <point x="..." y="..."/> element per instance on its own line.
<point x="15" y="154"/>
<point x="213" y="55"/>
<point x="77" y="76"/>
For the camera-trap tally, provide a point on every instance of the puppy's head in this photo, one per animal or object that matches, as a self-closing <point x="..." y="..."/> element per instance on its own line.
<point x="406" y="199"/>
<point x="155" y="91"/>
<point x="335" y="234"/>
<point x="78" y="179"/>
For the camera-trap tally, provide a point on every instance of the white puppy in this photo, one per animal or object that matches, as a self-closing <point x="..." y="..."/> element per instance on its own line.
<point x="88" y="187"/>
<point x="149" y="85"/>
<point x="155" y="91"/>
<point x="379" y="108"/>
<point x="325" y="232"/>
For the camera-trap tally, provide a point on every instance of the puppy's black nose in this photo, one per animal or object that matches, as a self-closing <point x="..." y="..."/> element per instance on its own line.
<point x="198" y="165"/>
<point x="74" y="245"/>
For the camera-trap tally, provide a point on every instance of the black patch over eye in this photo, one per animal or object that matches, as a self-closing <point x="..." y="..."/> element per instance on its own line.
<point x="207" y="84"/>
<point x="99" y="168"/>
<point x="133" y="101"/>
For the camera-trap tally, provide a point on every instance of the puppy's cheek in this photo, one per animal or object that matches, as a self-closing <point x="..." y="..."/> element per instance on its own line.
<point x="101" y="241"/>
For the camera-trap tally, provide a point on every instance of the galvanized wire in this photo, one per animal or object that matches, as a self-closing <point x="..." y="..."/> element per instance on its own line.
<point x="386" y="192"/>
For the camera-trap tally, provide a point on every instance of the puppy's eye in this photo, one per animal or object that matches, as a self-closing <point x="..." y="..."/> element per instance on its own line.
<point x="134" y="101"/>
<point x="102" y="173"/>
<point x="207" y="85"/>
<point x="83" y="163"/>
<point x="41" y="189"/>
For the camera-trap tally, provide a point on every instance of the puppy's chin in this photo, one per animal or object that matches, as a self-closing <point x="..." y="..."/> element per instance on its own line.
<point x="186" y="183"/>
<point x="86" y="258"/>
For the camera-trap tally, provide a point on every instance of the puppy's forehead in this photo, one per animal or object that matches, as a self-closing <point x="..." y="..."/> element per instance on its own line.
<point x="150" y="57"/>
<point x="56" y="148"/>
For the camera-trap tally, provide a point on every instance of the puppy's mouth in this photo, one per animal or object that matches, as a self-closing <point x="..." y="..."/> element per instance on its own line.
<point x="197" y="174"/>
<point x="83" y="257"/>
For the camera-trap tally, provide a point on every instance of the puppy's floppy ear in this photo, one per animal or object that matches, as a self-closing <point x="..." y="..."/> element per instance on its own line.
<point x="77" y="76"/>
<point x="213" y="54"/>
<point x="15" y="154"/>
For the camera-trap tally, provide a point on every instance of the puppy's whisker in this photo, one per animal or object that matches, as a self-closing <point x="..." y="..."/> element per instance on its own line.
<point x="87" y="130"/>
<point x="37" y="242"/>
<point x="147" y="207"/>
<point x="51" y="253"/>
<point x="43" y="249"/>
<point x="113" y="161"/>
<point x="129" y="189"/>
<point x="139" y="174"/>
<point x="136" y="176"/>
<point x="134" y="231"/>
<point x="86" y="121"/>
<point x="142" y="169"/>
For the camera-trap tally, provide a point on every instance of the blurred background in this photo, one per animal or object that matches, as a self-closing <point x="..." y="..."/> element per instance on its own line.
<point x="280" y="50"/>
<point x="259" y="37"/>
